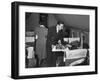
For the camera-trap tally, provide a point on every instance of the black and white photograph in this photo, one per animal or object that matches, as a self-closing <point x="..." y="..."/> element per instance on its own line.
<point x="51" y="40"/>
<point x="54" y="40"/>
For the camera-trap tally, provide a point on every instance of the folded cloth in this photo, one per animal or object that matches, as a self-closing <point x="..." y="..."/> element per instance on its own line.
<point x="30" y="52"/>
<point x="74" y="62"/>
<point x="29" y="39"/>
<point x="77" y="62"/>
<point x="77" y="53"/>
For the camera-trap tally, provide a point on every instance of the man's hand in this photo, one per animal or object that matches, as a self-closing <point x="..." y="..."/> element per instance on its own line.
<point x="53" y="46"/>
<point x="36" y="37"/>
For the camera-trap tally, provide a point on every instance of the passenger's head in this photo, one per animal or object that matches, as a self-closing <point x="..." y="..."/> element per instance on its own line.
<point x="41" y="24"/>
<point x="60" y="25"/>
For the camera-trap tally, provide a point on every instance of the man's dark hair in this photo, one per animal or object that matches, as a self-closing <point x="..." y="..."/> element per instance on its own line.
<point x="60" y="22"/>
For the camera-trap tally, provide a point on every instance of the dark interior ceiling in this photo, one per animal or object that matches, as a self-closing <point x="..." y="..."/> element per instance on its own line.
<point x="70" y="20"/>
<point x="75" y="21"/>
